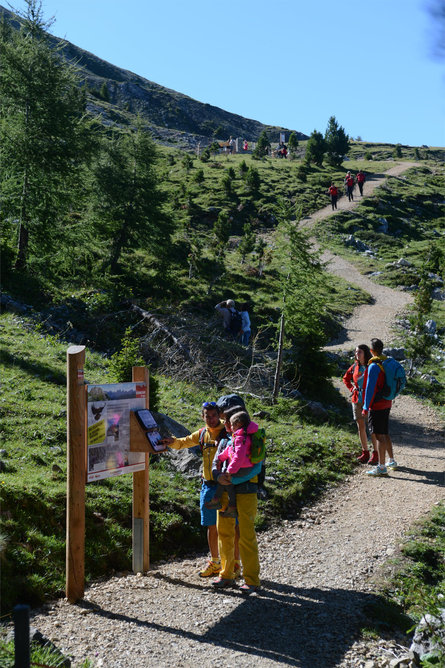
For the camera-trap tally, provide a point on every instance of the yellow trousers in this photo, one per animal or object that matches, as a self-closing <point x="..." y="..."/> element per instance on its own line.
<point x="247" y="508"/>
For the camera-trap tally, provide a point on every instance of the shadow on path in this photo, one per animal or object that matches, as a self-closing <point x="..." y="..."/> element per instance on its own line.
<point x="285" y="624"/>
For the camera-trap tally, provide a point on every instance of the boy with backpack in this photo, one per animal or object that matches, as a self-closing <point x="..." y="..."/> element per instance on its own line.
<point x="384" y="379"/>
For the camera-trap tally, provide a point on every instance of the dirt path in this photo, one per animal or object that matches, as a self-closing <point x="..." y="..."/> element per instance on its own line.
<point x="372" y="182"/>
<point x="316" y="571"/>
<point x="368" y="320"/>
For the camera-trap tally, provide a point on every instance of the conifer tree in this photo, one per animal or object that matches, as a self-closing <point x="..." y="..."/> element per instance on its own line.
<point x="263" y="145"/>
<point x="337" y="143"/>
<point x="127" y="203"/>
<point x="247" y="243"/>
<point x="44" y="136"/>
<point x="304" y="298"/>
<point x="315" y="148"/>
<point x="293" y="142"/>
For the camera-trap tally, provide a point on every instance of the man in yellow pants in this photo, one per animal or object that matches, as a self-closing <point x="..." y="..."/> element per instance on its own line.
<point x="246" y="503"/>
<point x="208" y="438"/>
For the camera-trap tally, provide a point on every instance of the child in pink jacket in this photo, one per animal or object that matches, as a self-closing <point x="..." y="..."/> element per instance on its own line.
<point x="237" y="453"/>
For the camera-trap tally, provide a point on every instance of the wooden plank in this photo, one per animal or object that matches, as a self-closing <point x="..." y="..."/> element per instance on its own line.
<point x="76" y="474"/>
<point x="141" y="499"/>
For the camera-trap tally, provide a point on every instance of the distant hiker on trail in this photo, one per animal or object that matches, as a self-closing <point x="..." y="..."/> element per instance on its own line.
<point x="333" y="192"/>
<point x="245" y="325"/>
<point x="353" y="379"/>
<point x="378" y="409"/>
<point x="232" y="320"/>
<point x="245" y="145"/>
<point x="239" y="464"/>
<point x="208" y="438"/>
<point x="349" y="183"/>
<point x="231" y="145"/>
<point x="361" y="178"/>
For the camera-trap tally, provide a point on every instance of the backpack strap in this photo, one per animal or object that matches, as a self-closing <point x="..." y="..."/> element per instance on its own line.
<point x="202" y="432"/>
<point x="378" y="361"/>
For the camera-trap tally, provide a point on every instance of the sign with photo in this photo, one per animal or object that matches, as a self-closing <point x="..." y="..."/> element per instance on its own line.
<point x="108" y="435"/>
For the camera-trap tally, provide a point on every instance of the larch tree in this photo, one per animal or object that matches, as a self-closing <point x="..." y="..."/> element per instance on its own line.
<point x="45" y="136"/>
<point x="127" y="203"/>
<point x="315" y="148"/>
<point x="337" y="142"/>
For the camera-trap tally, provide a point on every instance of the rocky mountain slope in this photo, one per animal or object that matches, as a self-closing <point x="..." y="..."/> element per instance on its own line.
<point x="171" y="116"/>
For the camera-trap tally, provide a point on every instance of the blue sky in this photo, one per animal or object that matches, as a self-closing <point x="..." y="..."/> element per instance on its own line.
<point x="284" y="62"/>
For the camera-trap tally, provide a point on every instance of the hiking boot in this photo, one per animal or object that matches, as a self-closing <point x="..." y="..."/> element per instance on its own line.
<point x="214" y="504"/>
<point x="363" y="459"/>
<point x="392" y="464"/>
<point x="377" y="471"/>
<point x="230" y="511"/>
<point x="212" y="568"/>
<point x="248" y="589"/>
<point x="222" y="583"/>
<point x="374" y="459"/>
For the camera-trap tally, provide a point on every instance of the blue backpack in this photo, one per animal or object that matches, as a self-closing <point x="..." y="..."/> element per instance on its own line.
<point x="395" y="377"/>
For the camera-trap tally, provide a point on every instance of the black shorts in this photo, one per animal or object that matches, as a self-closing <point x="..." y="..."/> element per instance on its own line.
<point x="378" y="421"/>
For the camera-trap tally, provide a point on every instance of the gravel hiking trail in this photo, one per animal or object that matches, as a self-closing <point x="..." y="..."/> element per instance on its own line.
<point x="318" y="572"/>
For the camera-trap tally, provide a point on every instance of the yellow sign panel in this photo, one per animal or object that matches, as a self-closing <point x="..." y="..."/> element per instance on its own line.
<point x="96" y="433"/>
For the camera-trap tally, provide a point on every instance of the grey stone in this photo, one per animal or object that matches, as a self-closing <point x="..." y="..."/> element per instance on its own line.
<point x="3" y="453"/>
<point x="187" y="461"/>
<point x="317" y="410"/>
<point x="428" y="377"/>
<point x="430" y="326"/>
<point x="384" y="226"/>
<point x="429" y="635"/>
<point x="169" y="427"/>
<point x="438" y="294"/>
<point x="397" y="353"/>
<point x="403" y="263"/>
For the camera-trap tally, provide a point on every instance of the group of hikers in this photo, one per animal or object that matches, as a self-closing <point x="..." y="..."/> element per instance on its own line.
<point x="232" y="477"/>
<point x="236" y="323"/>
<point x="374" y="380"/>
<point x="349" y="183"/>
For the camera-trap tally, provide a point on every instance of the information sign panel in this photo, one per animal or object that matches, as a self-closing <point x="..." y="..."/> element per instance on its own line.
<point x="108" y="437"/>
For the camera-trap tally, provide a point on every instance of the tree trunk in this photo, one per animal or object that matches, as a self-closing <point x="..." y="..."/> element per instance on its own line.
<point x="23" y="240"/>
<point x="276" y="384"/>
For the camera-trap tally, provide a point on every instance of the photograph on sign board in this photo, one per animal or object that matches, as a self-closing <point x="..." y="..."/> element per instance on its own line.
<point x="108" y="435"/>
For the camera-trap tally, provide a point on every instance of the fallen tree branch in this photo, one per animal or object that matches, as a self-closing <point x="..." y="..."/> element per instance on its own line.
<point x="160" y="327"/>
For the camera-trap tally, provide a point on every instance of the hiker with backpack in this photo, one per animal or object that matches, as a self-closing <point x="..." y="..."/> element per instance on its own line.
<point x="237" y="453"/>
<point x="208" y="438"/>
<point x="349" y="183"/>
<point x="353" y="379"/>
<point x="333" y="192"/>
<point x="360" y="181"/>
<point x="384" y="379"/>
<point x="246" y="489"/>
<point x="232" y="321"/>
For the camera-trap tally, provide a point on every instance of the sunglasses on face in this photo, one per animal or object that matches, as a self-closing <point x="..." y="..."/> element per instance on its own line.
<point x="209" y="404"/>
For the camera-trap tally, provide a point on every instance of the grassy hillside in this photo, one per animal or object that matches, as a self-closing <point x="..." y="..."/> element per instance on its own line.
<point x="304" y="456"/>
<point x="71" y="297"/>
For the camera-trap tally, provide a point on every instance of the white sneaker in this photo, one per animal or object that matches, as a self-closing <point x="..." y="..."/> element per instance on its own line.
<point x="392" y="464"/>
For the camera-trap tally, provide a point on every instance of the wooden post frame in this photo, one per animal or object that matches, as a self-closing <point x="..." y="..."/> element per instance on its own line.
<point x="141" y="505"/>
<point x="76" y="461"/>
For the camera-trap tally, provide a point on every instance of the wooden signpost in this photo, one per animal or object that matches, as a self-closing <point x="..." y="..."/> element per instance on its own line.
<point x="77" y="476"/>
